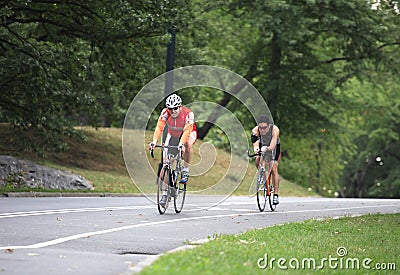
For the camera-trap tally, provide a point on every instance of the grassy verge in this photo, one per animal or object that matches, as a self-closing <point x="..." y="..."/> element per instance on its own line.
<point x="100" y="160"/>
<point x="372" y="243"/>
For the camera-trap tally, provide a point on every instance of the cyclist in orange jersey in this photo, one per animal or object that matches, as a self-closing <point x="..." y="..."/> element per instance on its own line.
<point x="181" y="130"/>
<point x="265" y="138"/>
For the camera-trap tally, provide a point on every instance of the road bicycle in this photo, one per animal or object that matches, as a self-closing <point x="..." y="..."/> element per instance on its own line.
<point x="264" y="184"/>
<point x="167" y="179"/>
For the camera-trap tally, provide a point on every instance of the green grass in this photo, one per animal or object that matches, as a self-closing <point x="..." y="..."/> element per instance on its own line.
<point x="375" y="237"/>
<point x="100" y="160"/>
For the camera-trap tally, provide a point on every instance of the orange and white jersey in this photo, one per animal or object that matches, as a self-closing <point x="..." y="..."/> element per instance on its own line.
<point x="180" y="127"/>
<point x="177" y="125"/>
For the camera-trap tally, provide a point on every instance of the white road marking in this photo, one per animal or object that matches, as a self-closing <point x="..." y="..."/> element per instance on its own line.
<point x="244" y="210"/>
<point x="194" y="207"/>
<point x="63" y="211"/>
<point x="97" y="209"/>
<point x="116" y="229"/>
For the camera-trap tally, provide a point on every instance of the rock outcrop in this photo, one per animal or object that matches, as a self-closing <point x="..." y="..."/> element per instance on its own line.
<point x="24" y="173"/>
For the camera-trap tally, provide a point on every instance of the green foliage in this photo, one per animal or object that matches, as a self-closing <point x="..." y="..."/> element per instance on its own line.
<point x="319" y="64"/>
<point x="375" y="125"/>
<point x="313" y="162"/>
<point x="297" y="171"/>
<point x="66" y="63"/>
<point x="331" y="43"/>
<point x="389" y="187"/>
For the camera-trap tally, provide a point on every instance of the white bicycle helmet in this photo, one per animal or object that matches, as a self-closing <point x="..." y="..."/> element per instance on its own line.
<point x="173" y="101"/>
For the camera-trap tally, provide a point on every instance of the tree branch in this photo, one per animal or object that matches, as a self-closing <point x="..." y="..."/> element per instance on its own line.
<point x="203" y="131"/>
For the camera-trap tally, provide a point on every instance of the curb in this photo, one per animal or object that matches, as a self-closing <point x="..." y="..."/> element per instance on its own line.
<point x="149" y="260"/>
<point x="65" y="194"/>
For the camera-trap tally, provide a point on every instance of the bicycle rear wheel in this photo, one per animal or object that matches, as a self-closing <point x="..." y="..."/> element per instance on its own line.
<point x="163" y="185"/>
<point x="272" y="206"/>
<point x="261" y="191"/>
<point x="180" y="196"/>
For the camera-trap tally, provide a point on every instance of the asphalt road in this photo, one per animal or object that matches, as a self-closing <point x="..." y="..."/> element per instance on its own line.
<point x="120" y="235"/>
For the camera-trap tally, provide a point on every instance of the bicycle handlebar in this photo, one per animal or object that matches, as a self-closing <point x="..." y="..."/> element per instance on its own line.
<point x="164" y="146"/>
<point x="259" y="153"/>
<point x="253" y="155"/>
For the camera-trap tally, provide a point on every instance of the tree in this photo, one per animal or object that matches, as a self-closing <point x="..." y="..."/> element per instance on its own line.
<point x="303" y="50"/>
<point x="67" y="61"/>
<point x="372" y="165"/>
<point x="298" y="53"/>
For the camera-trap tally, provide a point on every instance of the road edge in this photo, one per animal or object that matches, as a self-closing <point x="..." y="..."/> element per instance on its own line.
<point x="65" y="194"/>
<point x="149" y="260"/>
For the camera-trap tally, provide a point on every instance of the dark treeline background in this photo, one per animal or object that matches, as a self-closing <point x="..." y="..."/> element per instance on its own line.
<point x="328" y="69"/>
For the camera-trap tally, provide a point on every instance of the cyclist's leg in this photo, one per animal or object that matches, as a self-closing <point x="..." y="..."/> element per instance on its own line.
<point x="275" y="181"/>
<point x="258" y="158"/>
<point x="275" y="177"/>
<point x="166" y="143"/>
<point x="173" y="141"/>
<point x="163" y="186"/>
<point x="275" y="174"/>
<point x="187" y="155"/>
<point x="266" y="161"/>
<point x="263" y="164"/>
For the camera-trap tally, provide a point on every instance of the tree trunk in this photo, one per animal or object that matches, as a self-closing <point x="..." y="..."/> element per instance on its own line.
<point x="274" y="76"/>
<point x="274" y="72"/>
<point x="203" y="131"/>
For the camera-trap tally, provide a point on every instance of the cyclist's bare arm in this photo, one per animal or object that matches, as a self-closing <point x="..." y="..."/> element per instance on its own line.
<point x="186" y="132"/>
<point x="274" y="140"/>
<point x="159" y="129"/>
<point x="188" y="128"/>
<point x="256" y="144"/>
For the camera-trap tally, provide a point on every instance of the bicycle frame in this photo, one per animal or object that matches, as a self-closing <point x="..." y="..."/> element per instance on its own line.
<point x="269" y="173"/>
<point x="167" y="179"/>
<point x="264" y="182"/>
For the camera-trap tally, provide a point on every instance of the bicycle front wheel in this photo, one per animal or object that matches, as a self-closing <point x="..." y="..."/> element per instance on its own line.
<point x="162" y="188"/>
<point x="180" y="196"/>
<point x="261" y="191"/>
<point x="272" y="206"/>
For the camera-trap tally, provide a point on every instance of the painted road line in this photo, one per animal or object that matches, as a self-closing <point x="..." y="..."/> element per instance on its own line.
<point x="116" y="229"/>
<point x="64" y="211"/>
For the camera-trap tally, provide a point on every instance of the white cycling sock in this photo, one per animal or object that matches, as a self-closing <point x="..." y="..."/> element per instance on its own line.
<point x="186" y="169"/>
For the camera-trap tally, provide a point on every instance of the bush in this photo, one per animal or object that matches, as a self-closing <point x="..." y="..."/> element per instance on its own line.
<point x="295" y="171"/>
